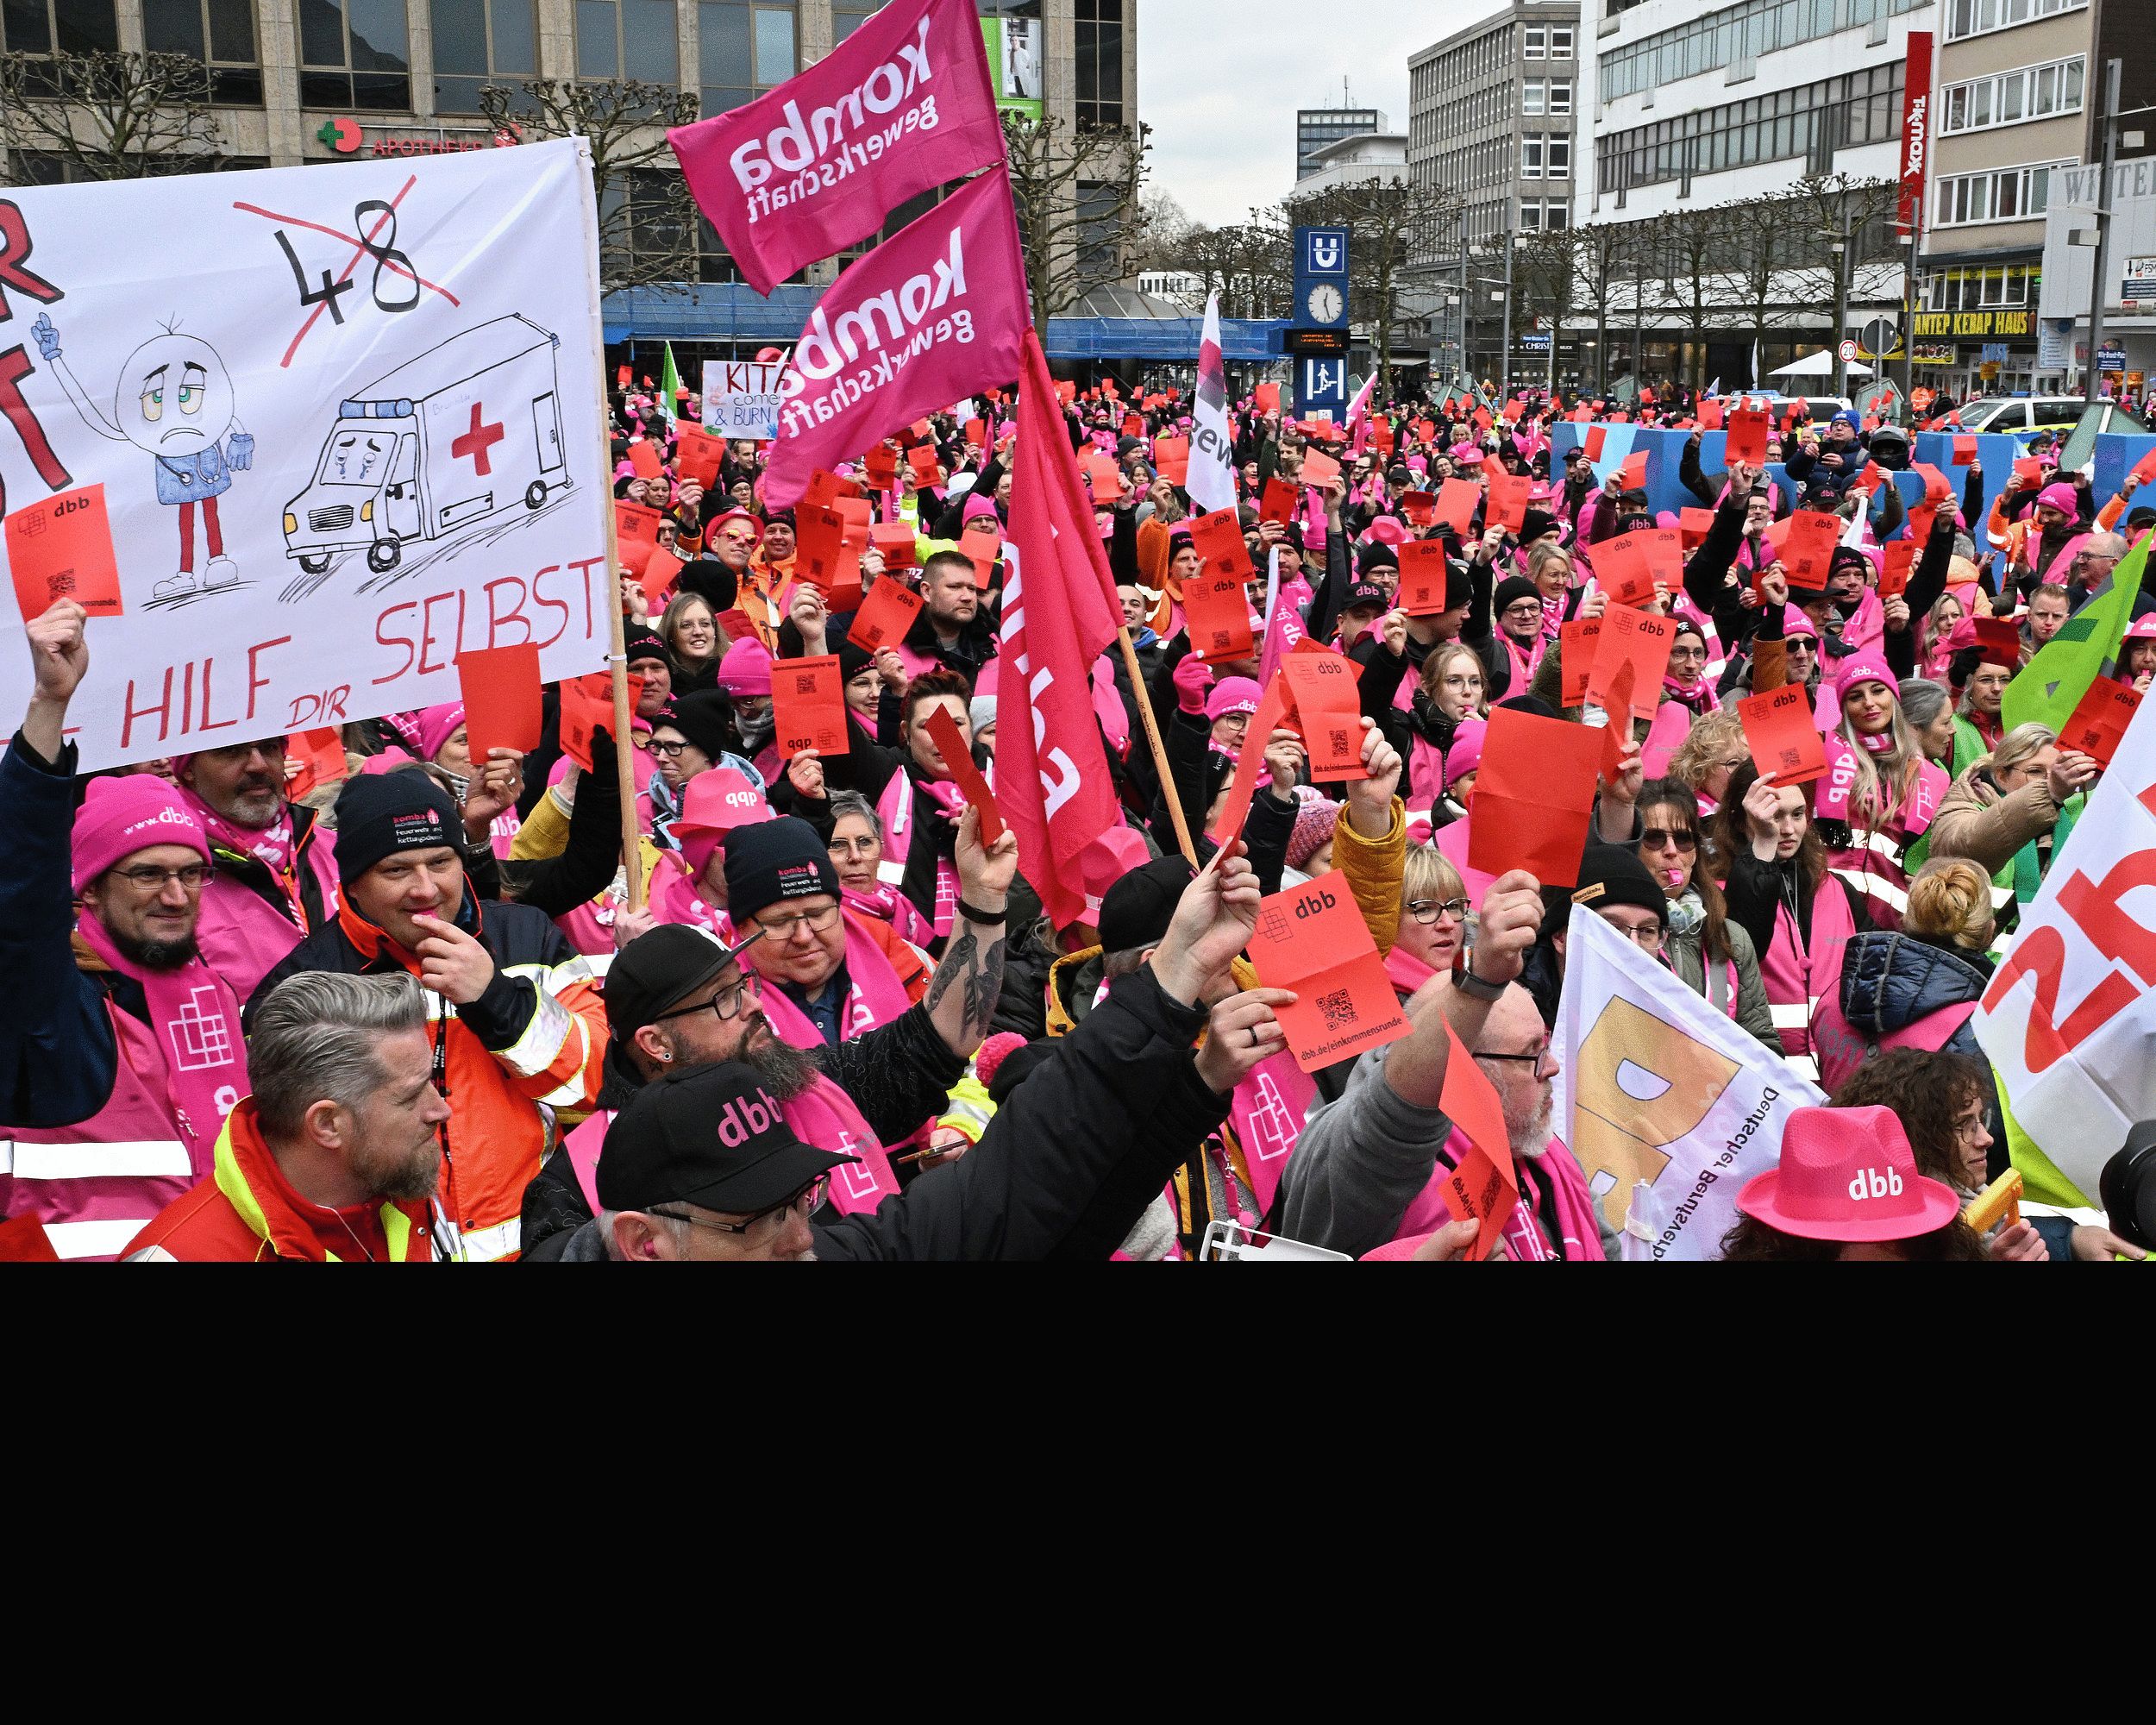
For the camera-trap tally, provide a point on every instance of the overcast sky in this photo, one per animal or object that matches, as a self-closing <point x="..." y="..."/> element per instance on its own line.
<point x="1219" y="82"/>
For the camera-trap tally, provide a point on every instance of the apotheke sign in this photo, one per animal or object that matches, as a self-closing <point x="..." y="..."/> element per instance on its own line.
<point x="344" y="136"/>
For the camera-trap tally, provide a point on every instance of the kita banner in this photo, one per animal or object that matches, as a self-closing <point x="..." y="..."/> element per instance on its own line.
<point x="934" y="313"/>
<point x="346" y="428"/>
<point x="2067" y="1020"/>
<point x="1668" y="1107"/>
<point x="741" y="399"/>
<point x="903" y="105"/>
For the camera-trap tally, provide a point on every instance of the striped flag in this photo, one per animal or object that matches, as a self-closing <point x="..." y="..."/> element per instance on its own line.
<point x="1211" y="480"/>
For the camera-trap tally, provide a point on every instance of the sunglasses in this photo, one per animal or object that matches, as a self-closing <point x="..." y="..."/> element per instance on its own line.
<point x="1662" y="838"/>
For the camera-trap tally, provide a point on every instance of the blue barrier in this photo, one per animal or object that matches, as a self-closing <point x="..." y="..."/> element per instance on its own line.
<point x="2116" y="454"/>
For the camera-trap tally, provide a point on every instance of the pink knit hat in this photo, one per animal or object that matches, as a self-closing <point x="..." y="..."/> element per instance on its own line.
<point x="436" y="725"/>
<point x="1867" y="667"/>
<point x="1313" y="825"/>
<point x="746" y="669"/>
<point x="1465" y="756"/>
<point x="976" y="505"/>
<point x="121" y="816"/>
<point x="1794" y="621"/>
<point x="2062" y="497"/>
<point x="1232" y="694"/>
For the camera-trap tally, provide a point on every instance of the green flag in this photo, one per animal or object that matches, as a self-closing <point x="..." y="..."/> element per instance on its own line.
<point x="2050" y="686"/>
<point x="670" y="384"/>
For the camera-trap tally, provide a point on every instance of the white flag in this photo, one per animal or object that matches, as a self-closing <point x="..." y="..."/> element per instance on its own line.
<point x="1668" y="1107"/>
<point x="1212" y="478"/>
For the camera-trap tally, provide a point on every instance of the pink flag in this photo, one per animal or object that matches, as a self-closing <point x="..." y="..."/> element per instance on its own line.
<point x="901" y="106"/>
<point x="1283" y="629"/>
<point x="1059" y="611"/>
<point x="932" y="315"/>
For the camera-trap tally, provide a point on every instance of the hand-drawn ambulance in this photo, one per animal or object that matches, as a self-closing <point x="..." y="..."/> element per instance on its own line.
<point x="455" y="436"/>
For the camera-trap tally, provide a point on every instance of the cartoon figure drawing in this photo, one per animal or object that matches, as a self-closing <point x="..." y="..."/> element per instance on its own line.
<point x="454" y="436"/>
<point x="174" y="402"/>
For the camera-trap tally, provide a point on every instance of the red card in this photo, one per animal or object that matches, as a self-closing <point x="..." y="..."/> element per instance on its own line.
<point x="2099" y="720"/>
<point x="1625" y="569"/>
<point x="587" y="704"/>
<point x="319" y="756"/>
<point x="2143" y="470"/>
<point x="1576" y="657"/>
<point x="61" y="547"/>
<point x="819" y="539"/>
<point x="636" y="533"/>
<point x="500" y="689"/>
<point x="1637" y="638"/>
<point x="1217" y="537"/>
<point x="1901" y="560"/>
<point x="808" y="698"/>
<point x="1507" y="500"/>
<point x="1271" y="707"/>
<point x="1266" y="398"/>
<point x="645" y="460"/>
<point x="2001" y="641"/>
<point x="1485" y="1186"/>
<point x="699" y="455"/>
<point x="1066" y="390"/>
<point x="1318" y="468"/>
<point x="1806" y="543"/>
<point x="1278" y="504"/>
<point x="1458" y="500"/>
<point x="927" y="470"/>
<point x="1631" y="475"/>
<point x="1418" y="508"/>
<point x="1937" y="488"/>
<point x="1167" y="449"/>
<point x="2028" y="473"/>
<point x="880" y="464"/>
<point x="1423" y="576"/>
<point x="1533" y="796"/>
<point x="1382" y="436"/>
<point x="1217" y="612"/>
<point x="984" y="565"/>
<point x="977" y="433"/>
<point x="1104" y="476"/>
<point x="958" y="760"/>
<point x="1710" y="417"/>
<point x="1964" y="451"/>
<point x="1329" y="712"/>
<point x="1595" y="434"/>
<point x="1312" y="939"/>
<point x="1781" y="735"/>
<point x="1133" y="426"/>
<point x="657" y="576"/>
<point x="1482" y="421"/>
<point x="886" y="616"/>
<point x="1617" y="731"/>
<point x="1747" y="440"/>
<point x="896" y="541"/>
<point x="1307" y="645"/>
<point x="1693" y="526"/>
<point x="621" y="378"/>
<point x="1425" y="430"/>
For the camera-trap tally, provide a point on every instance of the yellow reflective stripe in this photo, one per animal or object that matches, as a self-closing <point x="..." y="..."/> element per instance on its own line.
<point x="225" y="1167"/>
<point x="570" y="1091"/>
<point x="397" y="1225"/>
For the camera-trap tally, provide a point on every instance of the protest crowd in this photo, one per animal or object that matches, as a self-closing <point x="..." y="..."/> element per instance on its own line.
<point x="1094" y="821"/>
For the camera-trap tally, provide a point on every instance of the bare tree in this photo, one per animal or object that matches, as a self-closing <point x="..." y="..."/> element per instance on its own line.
<point x="1247" y="264"/>
<point x="1164" y="227"/>
<point x="1603" y="252"/>
<point x="1819" y="211"/>
<point x="76" y="116"/>
<point x="646" y="220"/>
<point x="1077" y="190"/>
<point x="1390" y="220"/>
<point x="1760" y="250"/>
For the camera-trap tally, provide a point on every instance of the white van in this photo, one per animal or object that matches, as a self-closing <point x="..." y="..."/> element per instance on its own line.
<point x="453" y="436"/>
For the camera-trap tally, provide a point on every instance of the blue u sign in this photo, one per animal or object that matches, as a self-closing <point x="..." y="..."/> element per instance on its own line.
<point x="1324" y="251"/>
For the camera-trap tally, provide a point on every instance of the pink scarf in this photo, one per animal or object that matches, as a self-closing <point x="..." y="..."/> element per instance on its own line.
<point x="888" y="904"/>
<point x="1831" y="799"/>
<point x="195" y="1018"/>
<point x="673" y="895"/>
<point x="1523" y="1232"/>
<point x="874" y="994"/>
<point x="896" y="810"/>
<point x="1407" y="972"/>
<point x="825" y="1116"/>
<point x="1867" y="628"/>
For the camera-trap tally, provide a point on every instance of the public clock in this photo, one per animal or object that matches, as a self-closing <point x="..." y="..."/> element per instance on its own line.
<point x="1324" y="304"/>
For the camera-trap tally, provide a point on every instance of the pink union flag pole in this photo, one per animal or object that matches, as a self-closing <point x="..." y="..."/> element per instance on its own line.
<point x="901" y="106"/>
<point x="932" y="315"/>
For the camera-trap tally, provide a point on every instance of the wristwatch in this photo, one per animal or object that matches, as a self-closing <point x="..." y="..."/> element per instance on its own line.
<point x="1469" y="983"/>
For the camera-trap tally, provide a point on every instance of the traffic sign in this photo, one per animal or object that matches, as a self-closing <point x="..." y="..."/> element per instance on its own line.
<point x="1323" y="384"/>
<point x="1846" y="352"/>
<point x="1877" y="337"/>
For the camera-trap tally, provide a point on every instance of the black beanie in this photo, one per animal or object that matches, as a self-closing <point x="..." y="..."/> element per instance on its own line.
<point x="1459" y="585"/>
<point x="1376" y="555"/>
<point x="1534" y="523"/>
<point x="641" y="642"/>
<point x="1510" y="591"/>
<point x="712" y="581"/>
<point x="771" y="860"/>
<point x="852" y="662"/>
<point x="1135" y="911"/>
<point x="381" y="813"/>
<point x="1609" y="875"/>
<point x="706" y="719"/>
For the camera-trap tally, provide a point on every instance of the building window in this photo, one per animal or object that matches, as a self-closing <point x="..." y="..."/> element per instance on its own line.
<point x="218" y="32"/>
<point x="2027" y="92"/>
<point x="1560" y="45"/>
<point x="1861" y="108"/>
<point x="2010" y="194"/>
<point x="1531" y="158"/>
<point x="352" y="54"/>
<point x="1976" y="17"/>
<point x="743" y="50"/>
<point x="1535" y="42"/>
<point x="1530" y="215"/>
<point x="1531" y="96"/>
<point x="478" y="42"/>
<point x="84" y="27"/>
<point x="630" y="40"/>
<point x="1560" y="95"/>
<point x="1559" y="158"/>
<point x="1100" y="62"/>
<point x="848" y="15"/>
<point x="1557" y="218"/>
<point x="1717" y="40"/>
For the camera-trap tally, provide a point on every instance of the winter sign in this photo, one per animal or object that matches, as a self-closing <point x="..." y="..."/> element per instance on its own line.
<point x="346" y="426"/>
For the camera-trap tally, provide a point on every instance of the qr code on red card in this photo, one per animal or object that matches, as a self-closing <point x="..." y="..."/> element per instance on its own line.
<point x="60" y="584"/>
<point x="1338" y="1009"/>
<point x="1791" y="760"/>
<point x="1220" y="637"/>
<point x="1341" y="746"/>
<point x="805" y="685"/>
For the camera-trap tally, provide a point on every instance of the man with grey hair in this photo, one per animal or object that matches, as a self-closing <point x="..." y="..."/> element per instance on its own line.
<point x="335" y="1156"/>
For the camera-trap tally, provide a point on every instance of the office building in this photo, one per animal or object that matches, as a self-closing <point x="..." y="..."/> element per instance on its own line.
<point x="1492" y="111"/>
<point x="1316" y="128"/>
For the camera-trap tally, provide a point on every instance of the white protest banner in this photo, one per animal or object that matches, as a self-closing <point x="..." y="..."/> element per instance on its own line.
<point x="2067" y="1020"/>
<point x="1668" y="1107"/>
<point x="741" y="399"/>
<point x="347" y="425"/>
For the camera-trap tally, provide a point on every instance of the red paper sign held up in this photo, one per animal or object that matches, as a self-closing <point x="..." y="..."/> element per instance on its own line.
<point x="885" y="616"/>
<point x="61" y="548"/>
<point x="1218" y="614"/>
<point x="1423" y="577"/>
<point x="1533" y="797"/>
<point x="958" y="759"/>
<point x="2099" y="721"/>
<point x="1312" y="939"/>
<point x="808" y="701"/>
<point x="500" y="686"/>
<point x="1329" y="712"/>
<point x="1782" y="739"/>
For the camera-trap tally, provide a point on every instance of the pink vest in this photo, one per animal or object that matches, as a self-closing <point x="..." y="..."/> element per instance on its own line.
<point x="100" y="1183"/>
<point x="1872" y="861"/>
<point x="1803" y="975"/>
<point x="1524" y="1236"/>
<point x="1426" y="771"/>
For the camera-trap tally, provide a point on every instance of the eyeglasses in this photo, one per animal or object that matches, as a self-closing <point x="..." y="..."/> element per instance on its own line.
<point x="1688" y="652"/>
<point x="1732" y="766"/>
<point x="1463" y="684"/>
<point x="148" y="879"/>
<point x="802" y="1204"/>
<point x="1662" y="838"/>
<point x="727" y="1002"/>
<point x="1521" y="612"/>
<point x="671" y="750"/>
<point x="1533" y="1056"/>
<point x="1427" y="911"/>
<point x="1647" y="936"/>
<point x="782" y="929"/>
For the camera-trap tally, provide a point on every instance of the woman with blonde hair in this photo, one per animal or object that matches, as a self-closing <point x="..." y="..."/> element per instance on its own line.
<point x="1454" y="690"/>
<point x="1932" y="653"/>
<point x="1880" y="794"/>
<point x="1713" y="749"/>
<point x="1918" y="985"/>
<point x="2012" y="810"/>
<point x="1434" y="920"/>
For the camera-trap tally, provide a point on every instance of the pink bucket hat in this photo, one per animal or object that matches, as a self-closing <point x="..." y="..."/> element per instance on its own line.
<point x="121" y="816"/>
<point x="716" y="802"/>
<point x="1847" y="1174"/>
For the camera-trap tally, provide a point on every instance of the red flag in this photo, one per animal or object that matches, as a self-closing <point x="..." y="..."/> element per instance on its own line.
<point x="1059" y="612"/>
